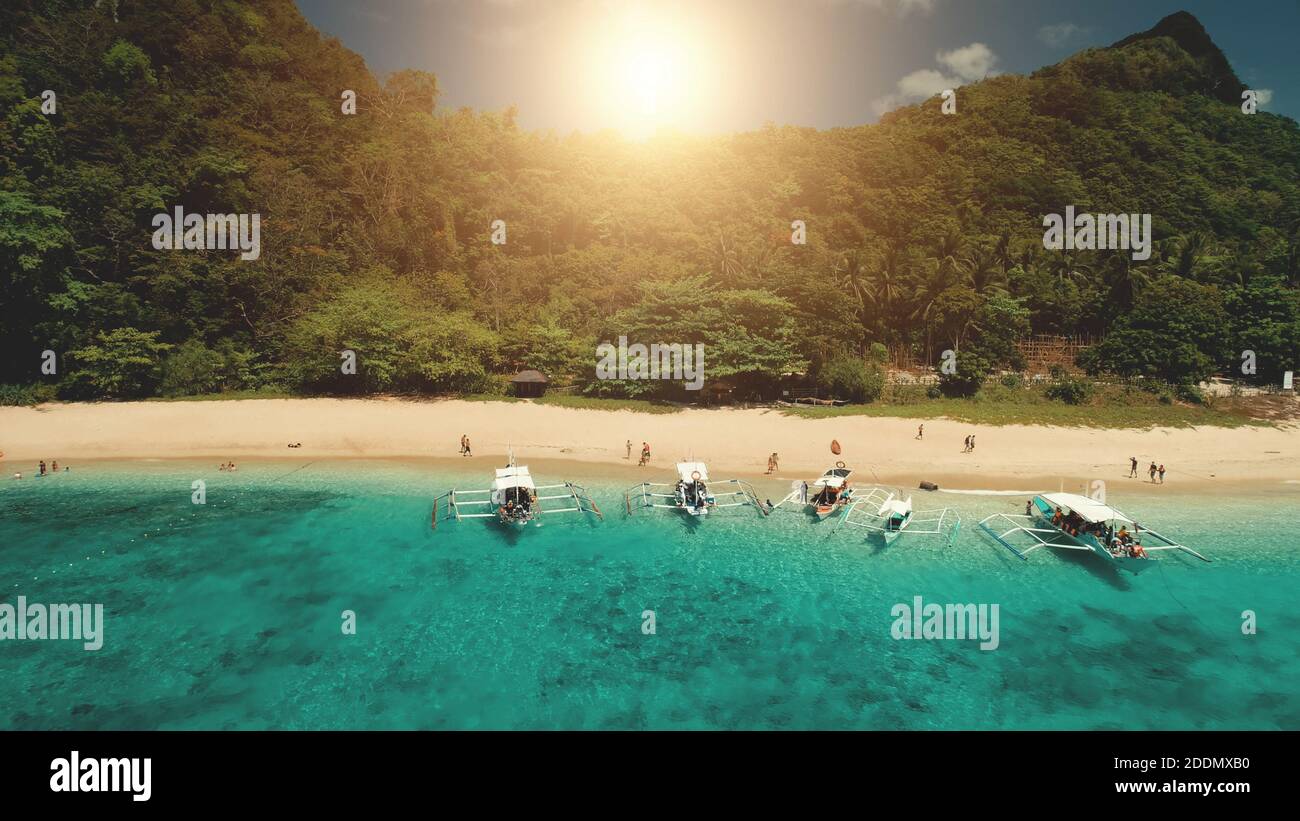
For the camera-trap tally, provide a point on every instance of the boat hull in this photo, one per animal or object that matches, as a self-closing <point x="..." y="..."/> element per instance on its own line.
<point x="1130" y="564"/>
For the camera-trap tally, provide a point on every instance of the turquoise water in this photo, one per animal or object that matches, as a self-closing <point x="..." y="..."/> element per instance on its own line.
<point x="227" y="615"/>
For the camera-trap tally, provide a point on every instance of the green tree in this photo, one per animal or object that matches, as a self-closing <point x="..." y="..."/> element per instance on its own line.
<point x="124" y="363"/>
<point x="849" y="377"/>
<point x="1177" y="331"/>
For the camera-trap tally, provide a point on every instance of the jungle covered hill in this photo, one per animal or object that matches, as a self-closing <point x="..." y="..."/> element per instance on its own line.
<point x="924" y="232"/>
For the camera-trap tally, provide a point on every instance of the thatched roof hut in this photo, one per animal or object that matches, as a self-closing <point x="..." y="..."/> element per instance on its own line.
<point x="529" y="383"/>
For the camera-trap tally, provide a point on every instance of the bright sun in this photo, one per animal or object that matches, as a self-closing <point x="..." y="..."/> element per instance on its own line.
<point x="649" y="75"/>
<point x="645" y="70"/>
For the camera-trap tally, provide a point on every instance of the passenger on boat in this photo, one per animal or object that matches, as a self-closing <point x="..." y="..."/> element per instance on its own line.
<point x="1058" y="518"/>
<point x="695" y="494"/>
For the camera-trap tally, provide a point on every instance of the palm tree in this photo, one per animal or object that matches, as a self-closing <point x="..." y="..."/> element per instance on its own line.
<point x="726" y="257"/>
<point x="1003" y="253"/>
<point x="1124" y="279"/>
<point x="926" y="288"/>
<point x="1068" y="265"/>
<point x="885" y="284"/>
<point x="948" y="250"/>
<point x="1183" y="255"/>
<point x="981" y="272"/>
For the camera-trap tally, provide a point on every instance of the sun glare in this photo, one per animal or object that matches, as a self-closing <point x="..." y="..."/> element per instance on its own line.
<point x="646" y="70"/>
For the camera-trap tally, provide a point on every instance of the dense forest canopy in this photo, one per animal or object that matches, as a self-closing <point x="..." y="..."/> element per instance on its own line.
<point x="924" y="231"/>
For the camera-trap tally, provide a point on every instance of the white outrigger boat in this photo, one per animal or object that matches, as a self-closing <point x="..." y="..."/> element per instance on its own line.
<point x="691" y="493"/>
<point x="830" y="494"/>
<point x="1074" y="522"/>
<point x="514" y="499"/>
<point x="884" y="512"/>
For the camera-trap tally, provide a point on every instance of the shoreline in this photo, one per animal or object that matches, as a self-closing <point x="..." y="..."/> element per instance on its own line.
<point x="734" y="442"/>
<point x="989" y="485"/>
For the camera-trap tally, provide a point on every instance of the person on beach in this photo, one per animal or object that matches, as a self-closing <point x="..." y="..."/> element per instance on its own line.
<point x="645" y="453"/>
<point x="1161" y="471"/>
<point x="1132" y="467"/>
<point x="1152" y="472"/>
<point x="42" y="468"/>
<point x="972" y="441"/>
<point x="629" y="450"/>
<point x="966" y="445"/>
<point x="920" y="431"/>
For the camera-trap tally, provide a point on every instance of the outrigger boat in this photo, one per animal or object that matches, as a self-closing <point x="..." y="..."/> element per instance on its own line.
<point x="826" y="496"/>
<point x="514" y="499"/>
<point x="1074" y="522"/>
<point x="884" y="512"/>
<point x="691" y="493"/>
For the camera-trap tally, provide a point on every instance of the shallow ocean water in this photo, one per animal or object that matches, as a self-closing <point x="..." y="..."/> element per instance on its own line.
<point x="228" y="615"/>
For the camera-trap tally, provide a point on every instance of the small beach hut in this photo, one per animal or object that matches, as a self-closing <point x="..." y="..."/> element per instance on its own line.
<point x="529" y="383"/>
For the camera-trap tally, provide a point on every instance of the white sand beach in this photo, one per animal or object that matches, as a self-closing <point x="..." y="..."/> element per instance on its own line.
<point x="732" y="441"/>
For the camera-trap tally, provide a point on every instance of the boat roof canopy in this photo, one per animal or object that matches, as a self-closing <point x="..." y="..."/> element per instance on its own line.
<point x="685" y="469"/>
<point x="894" y="505"/>
<point x="513" y="476"/>
<point x="833" y="477"/>
<point x="1090" y="510"/>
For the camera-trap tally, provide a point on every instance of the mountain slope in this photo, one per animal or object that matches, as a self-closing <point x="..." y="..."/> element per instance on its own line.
<point x="375" y="232"/>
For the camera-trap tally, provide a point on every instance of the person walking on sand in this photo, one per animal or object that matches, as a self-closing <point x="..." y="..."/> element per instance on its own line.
<point x="966" y="445"/>
<point x="645" y="454"/>
<point x="1152" y="472"/>
<point x="629" y="450"/>
<point x="972" y="441"/>
<point x="464" y="446"/>
<point x="1162" y="474"/>
<point x="920" y="431"/>
<point x="1132" y="467"/>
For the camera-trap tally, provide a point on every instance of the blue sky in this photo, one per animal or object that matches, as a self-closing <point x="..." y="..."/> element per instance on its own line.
<point x="734" y="65"/>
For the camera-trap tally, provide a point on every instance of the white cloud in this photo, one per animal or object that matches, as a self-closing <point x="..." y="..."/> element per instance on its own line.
<point x="973" y="62"/>
<point x="1060" y="34"/>
<point x="925" y="83"/>
<point x="964" y="65"/>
